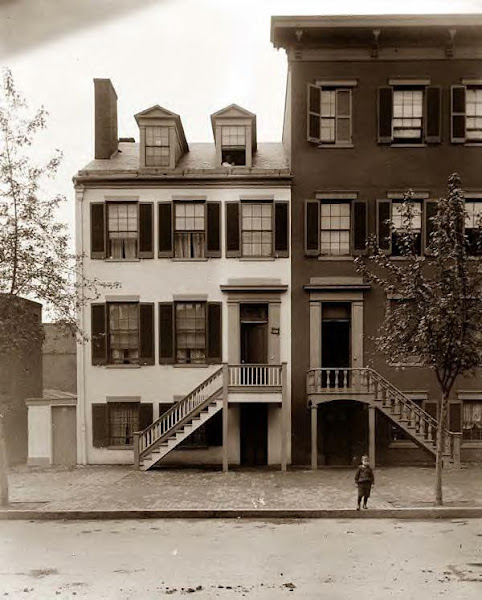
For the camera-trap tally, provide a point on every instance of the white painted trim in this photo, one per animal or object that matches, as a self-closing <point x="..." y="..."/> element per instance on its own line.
<point x="469" y="395"/>
<point x="120" y="198"/>
<point x="123" y="399"/>
<point x="256" y="396"/>
<point x="256" y="197"/>
<point x="472" y="195"/>
<point x="187" y="197"/>
<point x="400" y="195"/>
<point x="122" y="298"/>
<point x="336" y="82"/>
<point x="471" y="81"/>
<point x="190" y="297"/>
<point x="336" y="195"/>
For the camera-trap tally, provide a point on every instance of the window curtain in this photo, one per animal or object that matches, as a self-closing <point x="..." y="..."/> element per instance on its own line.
<point x="472" y="415"/>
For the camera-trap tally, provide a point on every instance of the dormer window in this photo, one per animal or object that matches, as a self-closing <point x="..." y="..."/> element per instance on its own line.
<point x="157" y="147"/>
<point x="233" y="145"/>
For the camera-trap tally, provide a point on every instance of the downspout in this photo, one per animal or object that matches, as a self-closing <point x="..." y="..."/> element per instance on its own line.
<point x="79" y="250"/>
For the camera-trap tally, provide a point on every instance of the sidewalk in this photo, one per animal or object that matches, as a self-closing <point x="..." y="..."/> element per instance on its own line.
<point x="110" y="491"/>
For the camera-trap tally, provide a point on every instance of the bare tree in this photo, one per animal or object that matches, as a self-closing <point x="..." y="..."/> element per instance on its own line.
<point x="436" y="309"/>
<point x="36" y="261"/>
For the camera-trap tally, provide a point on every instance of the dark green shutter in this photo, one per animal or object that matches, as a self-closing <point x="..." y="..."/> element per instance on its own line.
<point x="146" y="333"/>
<point x="281" y="229"/>
<point x="214" y="328"/>
<point x="233" y="241"/>
<point x="165" y="229"/>
<point x="213" y="235"/>
<point x="146" y="230"/>
<point x="455" y="417"/>
<point x="98" y="334"/>
<point x="166" y="332"/>
<point x="430" y="213"/>
<point x="385" y="113"/>
<point x="359" y="226"/>
<point x="312" y="227"/>
<point x="457" y="105"/>
<point x="97" y="230"/>
<point x="100" y="425"/>
<point x="313" y="115"/>
<point x="433" y="114"/>
<point x="145" y="415"/>
<point x="383" y="225"/>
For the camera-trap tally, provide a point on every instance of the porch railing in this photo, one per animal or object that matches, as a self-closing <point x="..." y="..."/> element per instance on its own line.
<point x="255" y="375"/>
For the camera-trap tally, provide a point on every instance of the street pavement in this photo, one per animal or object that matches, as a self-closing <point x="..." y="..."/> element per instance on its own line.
<point x="229" y="559"/>
<point x="104" y="488"/>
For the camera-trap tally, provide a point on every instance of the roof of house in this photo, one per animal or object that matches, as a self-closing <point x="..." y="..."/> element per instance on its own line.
<point x="201" y="158"/>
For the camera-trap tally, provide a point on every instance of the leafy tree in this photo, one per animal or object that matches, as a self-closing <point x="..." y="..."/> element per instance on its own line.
<point x="439" y="310"/>
<point x="35" y="257"/>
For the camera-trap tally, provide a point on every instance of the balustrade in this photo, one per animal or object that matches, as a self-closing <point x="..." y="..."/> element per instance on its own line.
<point x="255" y="375"/>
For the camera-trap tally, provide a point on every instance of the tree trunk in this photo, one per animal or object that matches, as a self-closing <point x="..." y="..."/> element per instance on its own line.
<point x="440" y="449"/>
<point x="3" y="465"/>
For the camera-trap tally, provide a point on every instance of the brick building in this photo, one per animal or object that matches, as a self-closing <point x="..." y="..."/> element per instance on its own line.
<point x="374" y="106"/>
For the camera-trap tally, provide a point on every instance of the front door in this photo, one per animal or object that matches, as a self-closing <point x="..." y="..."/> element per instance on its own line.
<point x="335" y="341"/>
<point x="254" y="334"/>
<point x="254" y="434"/>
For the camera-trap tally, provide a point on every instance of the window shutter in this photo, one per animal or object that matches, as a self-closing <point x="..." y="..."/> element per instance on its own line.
<point x="213" y="235"/>
<point x="164" y="407"/>
<point x="145" y="415"/>
<point x="383" y="226"/>
<point x="433" y="114"/>
<point x="233" y="241"/>
<point x="385" y="113"/>
<point x="146" y="230"/>
<point x="312" y="227"/>
<point x="165" y="229"/>
<point x="430" y="208"/>
<point x="343" y="116"/>
<point x="97" y="230"/>
<point x="100" y="425"/>
<point x="359" y="226"/>
<point x="98" y="334"/>
<point x="166" y="332"/>
<point x="457" y="105"/>
<point x="281" y="229"/>
<point x="455" y="417"/>
<point x="313" y="113"/>
<point x="214" y="327"/>
<point x="146" y="333"/>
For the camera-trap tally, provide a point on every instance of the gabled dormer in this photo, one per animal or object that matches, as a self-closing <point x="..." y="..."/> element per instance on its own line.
<point x="162" y="139"/>
<point x="235" y="136"/>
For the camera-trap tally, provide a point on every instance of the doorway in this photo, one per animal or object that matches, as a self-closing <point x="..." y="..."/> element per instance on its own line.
<point x="342" y="432"/>
<point x="254" y="434"/>
<point x="336" y="341"/>
<point x="64" y="435"/>
<point x="254" y="334"/>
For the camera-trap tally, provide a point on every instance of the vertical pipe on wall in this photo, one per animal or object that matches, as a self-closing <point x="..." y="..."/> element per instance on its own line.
<point x="225" y="417"/>
<point x="314" y="436"/>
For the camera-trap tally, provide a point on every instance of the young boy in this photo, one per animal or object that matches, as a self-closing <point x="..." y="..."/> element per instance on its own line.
<point x="364" y="478"/>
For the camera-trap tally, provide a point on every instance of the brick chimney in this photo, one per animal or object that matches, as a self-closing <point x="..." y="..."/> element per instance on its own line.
<point x="106" y="141"/>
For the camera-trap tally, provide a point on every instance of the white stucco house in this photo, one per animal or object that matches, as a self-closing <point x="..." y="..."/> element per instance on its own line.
<point x="192" y="350"/>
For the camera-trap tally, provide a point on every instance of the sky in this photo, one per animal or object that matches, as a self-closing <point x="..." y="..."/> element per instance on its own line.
<point x="190" y="56"/>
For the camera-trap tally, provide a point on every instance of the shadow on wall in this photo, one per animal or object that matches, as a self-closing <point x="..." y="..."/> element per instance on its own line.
<point x="25" y="24"/>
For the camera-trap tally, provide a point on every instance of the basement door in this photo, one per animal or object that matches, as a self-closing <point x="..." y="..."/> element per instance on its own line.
<point x="254" y="434"/>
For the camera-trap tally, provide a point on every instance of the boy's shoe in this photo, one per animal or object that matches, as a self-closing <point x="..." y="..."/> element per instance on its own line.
<point x="358" y="507"/>
<point x="365" y="506"/>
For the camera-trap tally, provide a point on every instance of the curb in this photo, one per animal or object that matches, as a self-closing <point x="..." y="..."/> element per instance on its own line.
<point x="388" y="513"/>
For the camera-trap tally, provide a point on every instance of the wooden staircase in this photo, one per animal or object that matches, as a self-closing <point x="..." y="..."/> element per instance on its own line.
<point x="366" y="385"/>
<point x="182" y="419"/>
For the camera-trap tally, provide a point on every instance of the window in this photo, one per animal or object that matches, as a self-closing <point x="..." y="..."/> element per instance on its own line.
<point x="472" y="420"/>
<point x="189" y="232"/>
<point x="335" y="228"/>
<point x="190" y="332"/>
<point x="123" y="421"/>
<point x="407" y="115"/>
<point x="401" y="221"/>
<point x="123" y="333"/>
<point x="473" y="109"/>
<point x="257" y="229"/>
<point x="233" y="145"/>
<point x="157" y="147"/>
<point x="466" y="117"/>
<point x="473" y="222"/>
<point x="122" y="230"/>
<point x="329" y="115"/>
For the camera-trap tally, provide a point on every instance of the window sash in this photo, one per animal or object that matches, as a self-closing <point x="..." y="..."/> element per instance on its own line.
<point x="233" y="136"/>
<point x="472" y="420"/>
<point x="473" y="113"/>
<point x="191" y="338"/>
<point x="335" y="228"/>
<point x="335" y="115"/>
<point x="257" y="229"/>
<point x="407" y="119"/>
<point x="122" y="229"/>
<point x="123" y="422"/>
<point x="123" y="328"/>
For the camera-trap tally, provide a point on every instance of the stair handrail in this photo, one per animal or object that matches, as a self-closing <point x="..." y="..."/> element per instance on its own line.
<point x="177" y="413"/>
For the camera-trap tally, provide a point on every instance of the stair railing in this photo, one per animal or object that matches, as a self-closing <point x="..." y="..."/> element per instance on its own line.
<point x="367" y="380"/>
<point x="179" y="412"/>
